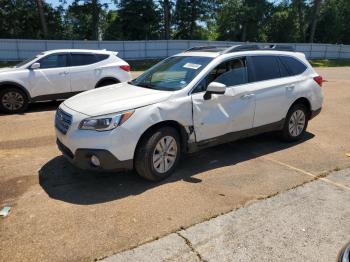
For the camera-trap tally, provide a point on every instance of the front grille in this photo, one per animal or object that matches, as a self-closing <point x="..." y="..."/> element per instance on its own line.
<point x="63" y="121"/>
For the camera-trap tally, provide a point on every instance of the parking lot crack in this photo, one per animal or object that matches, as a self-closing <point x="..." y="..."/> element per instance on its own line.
<point x="189" y="244"/>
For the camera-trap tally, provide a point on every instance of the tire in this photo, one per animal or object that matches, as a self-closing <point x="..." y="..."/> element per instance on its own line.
<point x="149" y="150"/>
<point x="107" y="82"/>
<point x="13" y="100"/>
<point x="295" y="123"/>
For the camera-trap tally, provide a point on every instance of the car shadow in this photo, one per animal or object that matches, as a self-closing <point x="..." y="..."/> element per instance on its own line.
<point x="39" y="107"/>
<point x="62" y="181"/>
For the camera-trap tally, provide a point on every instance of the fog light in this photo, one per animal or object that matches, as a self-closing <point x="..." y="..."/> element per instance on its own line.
<point x="95" y="161"/>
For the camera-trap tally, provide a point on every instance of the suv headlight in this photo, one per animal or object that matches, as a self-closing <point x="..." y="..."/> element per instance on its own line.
<point x="106" y="122"/>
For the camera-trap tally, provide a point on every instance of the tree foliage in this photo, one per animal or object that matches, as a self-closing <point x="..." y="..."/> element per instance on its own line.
<point x="236" y="20"/>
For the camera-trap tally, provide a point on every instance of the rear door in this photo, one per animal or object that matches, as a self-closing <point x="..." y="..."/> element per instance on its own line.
<point x="227" y="113"/>
<point x="83" y="71"/>
<point x="270" y="86"/>
<point x="52" y="77"/>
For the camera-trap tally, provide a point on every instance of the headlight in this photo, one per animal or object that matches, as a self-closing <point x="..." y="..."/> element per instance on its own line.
<point x="106" y="122"/>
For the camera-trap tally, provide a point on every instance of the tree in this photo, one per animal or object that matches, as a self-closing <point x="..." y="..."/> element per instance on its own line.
<point x="21" y="19"/>
<point x="167" y="6"/>
<point x="83" y="19"/>
<point x="317" y="7"/>
<point x="190" y="13"/>
<point x="42" y="17"/>
<point x="138" y="20"/>
<point x="243" y="20"/>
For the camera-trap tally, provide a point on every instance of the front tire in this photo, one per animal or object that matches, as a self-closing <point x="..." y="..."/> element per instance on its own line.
<point x="295" y="123"/>
<point x="158" y="154"/>
<point x="13" y="100"/>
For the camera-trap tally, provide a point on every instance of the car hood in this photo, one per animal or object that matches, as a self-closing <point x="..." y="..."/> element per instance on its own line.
<point x="8" y="69"/>
<point x="115" y="98"/>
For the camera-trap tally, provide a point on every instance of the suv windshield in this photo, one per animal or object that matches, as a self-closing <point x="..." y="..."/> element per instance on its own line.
<point x="173" y="73"/>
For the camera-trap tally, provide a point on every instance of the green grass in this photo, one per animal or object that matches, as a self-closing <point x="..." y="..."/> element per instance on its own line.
<point x="330" y="62"/>
<point x="7" y="64"/>
<point x="142" y="65"/>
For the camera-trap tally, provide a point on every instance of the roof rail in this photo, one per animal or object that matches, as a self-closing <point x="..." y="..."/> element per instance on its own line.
<point x="242" y="47"/>
<point x="238" y="48"/>
<point x="279" y="47"/>
<point x="208" y="47"/>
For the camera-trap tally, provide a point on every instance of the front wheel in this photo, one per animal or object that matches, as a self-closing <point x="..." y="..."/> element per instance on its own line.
<point x="158" y="154"/>
<point x="13" y="100"/>
<point x="295" y="123"/>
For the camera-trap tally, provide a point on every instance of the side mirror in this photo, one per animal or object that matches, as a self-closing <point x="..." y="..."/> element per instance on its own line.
<point x="35" y="66"/>
<point x="214" y="88"/>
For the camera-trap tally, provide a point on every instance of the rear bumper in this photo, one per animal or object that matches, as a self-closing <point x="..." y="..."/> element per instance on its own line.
<point x="315" y="112"/>
<point x="81" y="159"/>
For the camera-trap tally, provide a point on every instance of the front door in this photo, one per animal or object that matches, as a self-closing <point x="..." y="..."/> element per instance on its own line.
<point x="51" y="78"/>
<point x="227" y="113"/>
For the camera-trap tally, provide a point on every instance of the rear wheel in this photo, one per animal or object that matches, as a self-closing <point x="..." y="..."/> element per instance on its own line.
<point x="295" y="123"/>
<point x="13" y="100"/>
<point x="158" y="154"/>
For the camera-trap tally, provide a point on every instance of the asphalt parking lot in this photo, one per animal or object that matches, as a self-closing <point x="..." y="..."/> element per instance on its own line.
<point x="61" y="213"/>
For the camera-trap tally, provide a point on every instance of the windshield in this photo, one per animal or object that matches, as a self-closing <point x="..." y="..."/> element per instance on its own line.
<point x="173" y="73"/>
<point x="27" y="61"/>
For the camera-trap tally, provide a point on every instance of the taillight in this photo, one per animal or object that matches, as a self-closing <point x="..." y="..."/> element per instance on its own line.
<point x="318" y="80"/>
<point x="125" y="68"/>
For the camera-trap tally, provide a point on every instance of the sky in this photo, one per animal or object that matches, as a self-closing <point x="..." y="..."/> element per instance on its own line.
<point x="55" y="3"/>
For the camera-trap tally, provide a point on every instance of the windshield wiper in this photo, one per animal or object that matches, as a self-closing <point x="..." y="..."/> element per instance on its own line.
<point x="145" y="85"/>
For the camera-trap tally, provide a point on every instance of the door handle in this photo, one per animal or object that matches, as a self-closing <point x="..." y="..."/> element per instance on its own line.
<point x="247" y="96"/>
<point x="63" y="73"/>
<point x="290" y="87"/>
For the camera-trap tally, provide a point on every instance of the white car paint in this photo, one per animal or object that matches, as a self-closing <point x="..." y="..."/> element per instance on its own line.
<point x="39" y="83"/>
<point x="240" y="108"/>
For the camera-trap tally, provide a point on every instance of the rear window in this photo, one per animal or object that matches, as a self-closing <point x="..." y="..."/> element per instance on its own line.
<point x="83" y="59"/>
<point x="265" y="67"/>
<point x="101" y="57"/>
<point x="294" y="66"/>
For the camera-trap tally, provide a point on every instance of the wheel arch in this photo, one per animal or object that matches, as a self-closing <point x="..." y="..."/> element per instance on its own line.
<point x="167" y="123"/>
<point x="107" y="78"/>
<point x="304" y="101"/>
<point x="11" y="84"/>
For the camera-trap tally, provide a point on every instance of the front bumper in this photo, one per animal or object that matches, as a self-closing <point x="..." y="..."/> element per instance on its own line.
<point x="81" y="159"/>
<point x="315" y="113"/>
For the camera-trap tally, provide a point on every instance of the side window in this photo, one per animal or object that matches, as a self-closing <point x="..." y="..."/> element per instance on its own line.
<point x="53" y="61"/>
<point x="101" y="57"/>
<point x="83" y="59"/>
<point x="229" y="73"/>
<point x="265" y="67"/>
<point x="294" y="66"/>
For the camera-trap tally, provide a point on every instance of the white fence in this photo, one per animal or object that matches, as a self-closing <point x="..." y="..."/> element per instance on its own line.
<point x="19" y="49"/>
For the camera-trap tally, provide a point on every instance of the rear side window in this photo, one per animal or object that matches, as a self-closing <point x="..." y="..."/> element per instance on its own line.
<point x="294" y="66"/>
<point x="53" y="61"/>
<point x="101" y="57"/>
<point x="83" y="59"/>
<point x="265" y="67"/>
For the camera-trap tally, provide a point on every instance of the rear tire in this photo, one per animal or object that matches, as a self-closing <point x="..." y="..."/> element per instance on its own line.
<point x="295" y="123"/>
<point x="158" y="154"/>
<point x="107" y="82"/>
<point x="13" y="100"/>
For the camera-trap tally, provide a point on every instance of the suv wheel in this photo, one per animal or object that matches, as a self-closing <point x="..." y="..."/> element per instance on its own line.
<point x="13" y="100"/>
<point x="295" y="123"/>
<point x="158" y="154"/>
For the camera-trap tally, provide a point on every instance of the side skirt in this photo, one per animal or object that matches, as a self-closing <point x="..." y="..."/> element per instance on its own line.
<point x="233" y="136"/>
<point x="53" y="97"/>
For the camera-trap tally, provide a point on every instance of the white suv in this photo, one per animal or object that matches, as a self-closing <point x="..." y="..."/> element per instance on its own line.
<point x="59" y="74"/>
<point x="196" y="99"/>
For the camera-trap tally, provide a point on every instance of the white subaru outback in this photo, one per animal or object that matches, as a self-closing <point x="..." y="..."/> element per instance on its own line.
<point x="59" y="74"/>
<point x="196" y="99"/>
